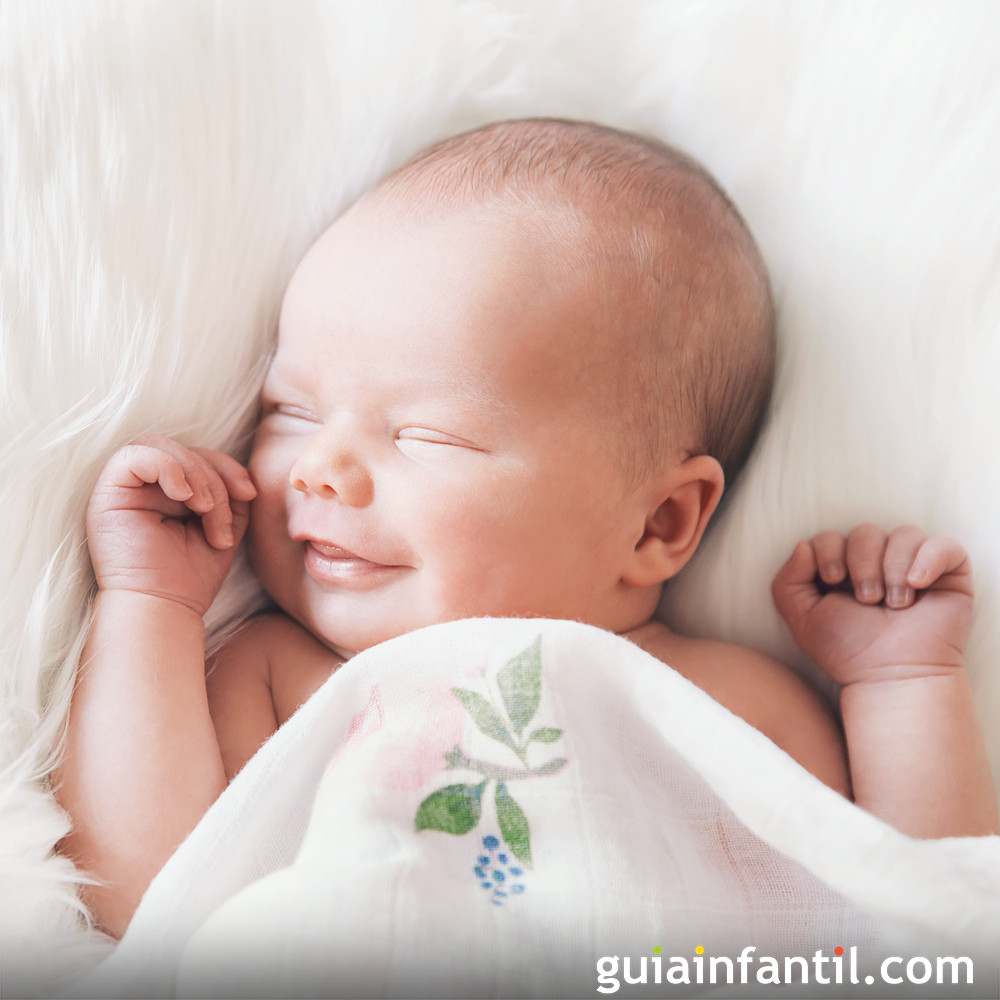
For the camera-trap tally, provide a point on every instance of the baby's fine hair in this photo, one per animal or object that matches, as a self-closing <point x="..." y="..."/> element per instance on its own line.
<point x="678" y="272"/>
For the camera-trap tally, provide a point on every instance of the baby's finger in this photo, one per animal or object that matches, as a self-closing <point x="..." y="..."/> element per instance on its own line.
<point x="940" y="556"/>
<point x="828" y="547"/>
<point x="235" y="476"/>
<point x="217" y="522"/>
<point x="865" y="550"/>
<point x="241" y="519"/>
<point x="233" y="480"/>
<point x="211" y="497"/>
<point x="136" y="466"/>
<point x="197" y="472"/>
<point x="794" y="585"/>
<point x="900" y="552"/>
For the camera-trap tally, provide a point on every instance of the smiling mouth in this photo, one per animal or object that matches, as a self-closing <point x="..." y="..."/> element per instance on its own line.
<point x="336" y="566"/>
<point x="333" y="551"/>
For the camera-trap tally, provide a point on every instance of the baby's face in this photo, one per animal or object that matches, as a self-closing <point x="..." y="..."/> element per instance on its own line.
<point x="429" y="448"/>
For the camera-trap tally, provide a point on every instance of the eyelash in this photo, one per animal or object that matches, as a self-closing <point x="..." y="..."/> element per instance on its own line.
<point x="428" y="436"/>
<point x="421" y="435"/>
<point x="282" y="410"/>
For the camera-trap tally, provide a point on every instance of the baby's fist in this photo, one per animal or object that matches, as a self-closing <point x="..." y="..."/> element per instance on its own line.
<point x="873" y="605"/>
<point x="164" y="520"/>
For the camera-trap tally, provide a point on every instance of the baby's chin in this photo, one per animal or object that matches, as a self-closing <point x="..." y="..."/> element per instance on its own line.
<point x="341" y="651"/>
<point x="342" y="643"/>
<point x="356" y="638"/>
<point x="349" y="641"/>
<point x="345" y="630"/>
<point x="347" y="645"/>
<point x="347" y="638"/>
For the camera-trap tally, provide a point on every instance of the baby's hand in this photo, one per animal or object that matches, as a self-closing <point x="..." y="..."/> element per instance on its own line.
<point x="165" y="520"/>
<point x="873" y="606"/>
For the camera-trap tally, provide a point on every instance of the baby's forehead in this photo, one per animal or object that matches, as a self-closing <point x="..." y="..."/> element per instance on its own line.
<point x="493" y="263"/>
<point x="541" y="220"/>
<point x="554" y="239"/>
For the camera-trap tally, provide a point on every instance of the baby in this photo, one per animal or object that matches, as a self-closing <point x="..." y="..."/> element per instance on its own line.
<point x="512" y="380"/>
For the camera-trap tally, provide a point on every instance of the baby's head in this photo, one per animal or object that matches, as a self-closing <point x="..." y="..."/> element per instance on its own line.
<point x="509" y="381"/>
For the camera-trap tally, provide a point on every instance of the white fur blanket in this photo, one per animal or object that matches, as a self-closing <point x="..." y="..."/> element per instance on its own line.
<point x="163" y="166"/>
<point x="490" y="807"/>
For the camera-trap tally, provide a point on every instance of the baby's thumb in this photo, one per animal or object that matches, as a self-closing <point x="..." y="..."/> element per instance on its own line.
<point x="794" y="587"/>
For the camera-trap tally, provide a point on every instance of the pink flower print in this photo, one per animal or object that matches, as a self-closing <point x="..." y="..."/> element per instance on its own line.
<point x="416" y="726"/>
<point x="364" y="725"/>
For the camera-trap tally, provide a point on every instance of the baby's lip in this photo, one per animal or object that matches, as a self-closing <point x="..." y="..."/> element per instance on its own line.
<point x="332" y="566"/>
<point x="332" y="550"/>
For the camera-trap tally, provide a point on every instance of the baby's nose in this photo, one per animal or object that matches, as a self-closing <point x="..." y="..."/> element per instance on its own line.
<point x="328" y="467"/>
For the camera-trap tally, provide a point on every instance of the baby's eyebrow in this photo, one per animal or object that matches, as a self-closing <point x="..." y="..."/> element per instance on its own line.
<point x="276" y="381"/>
<point x="475" y="390"/>
<point x="472" y="390"/>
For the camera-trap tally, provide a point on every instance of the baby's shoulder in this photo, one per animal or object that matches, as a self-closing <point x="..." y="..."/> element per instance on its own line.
<point x="268" y="629"/>
<point x="762" y="691"/>
<point x="258" y="679"/>
<point x="276" y="650"/>
<point x="728" y="672"/>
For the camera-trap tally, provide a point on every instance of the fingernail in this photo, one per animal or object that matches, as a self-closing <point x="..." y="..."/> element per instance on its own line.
<point x="205" y="496"/>
<point x="868" y="591"/>
<point x="899" y="596"/>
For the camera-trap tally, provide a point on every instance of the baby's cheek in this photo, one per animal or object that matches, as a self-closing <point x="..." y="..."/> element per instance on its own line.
<point x="266" y="465"/>
<point x="269" y="472"/>
<point x="468" y="554"/>
<point x="267" y="541"/>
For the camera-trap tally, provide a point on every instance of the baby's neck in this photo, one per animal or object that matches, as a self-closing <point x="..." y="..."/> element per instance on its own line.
<point x="652" y="634"/>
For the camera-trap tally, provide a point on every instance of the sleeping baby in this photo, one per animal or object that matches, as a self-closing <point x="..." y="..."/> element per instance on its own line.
<point x="512" y="380"/>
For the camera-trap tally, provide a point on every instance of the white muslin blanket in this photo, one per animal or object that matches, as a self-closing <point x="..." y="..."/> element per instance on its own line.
<point x="491" y="807"/>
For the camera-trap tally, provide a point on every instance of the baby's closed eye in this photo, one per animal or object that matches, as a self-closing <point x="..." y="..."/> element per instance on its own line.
<point x="421" y="442"/>
<point x="288" y="412"/>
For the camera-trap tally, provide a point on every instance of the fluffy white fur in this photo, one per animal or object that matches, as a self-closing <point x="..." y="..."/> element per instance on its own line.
<point x="163" y="166"/>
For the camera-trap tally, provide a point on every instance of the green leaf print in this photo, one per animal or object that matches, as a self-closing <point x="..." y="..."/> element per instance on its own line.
<point x="513" y="825"/>
<point x="553" y="766"/>
<point x="454" y="809"/>
<point x="545" y="735"/>
<point x="501" y="860"/>
<point x="520" y="683"/>
<point x="485" y="716"/>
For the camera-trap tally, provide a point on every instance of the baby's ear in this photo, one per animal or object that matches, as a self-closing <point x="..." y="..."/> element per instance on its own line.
<point x="681" y="504"/>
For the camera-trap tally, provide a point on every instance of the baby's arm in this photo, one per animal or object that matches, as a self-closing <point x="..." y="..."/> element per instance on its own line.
<point x="895" y="641"/>
<point x="763" y="692"/>
<point x="142" y="761"/>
